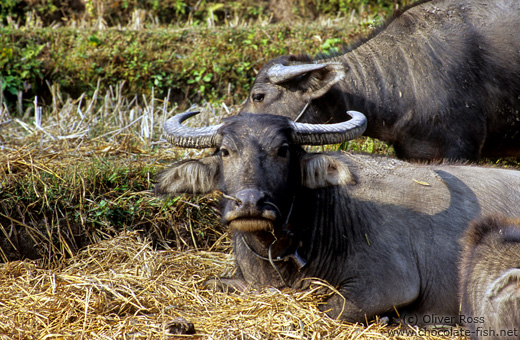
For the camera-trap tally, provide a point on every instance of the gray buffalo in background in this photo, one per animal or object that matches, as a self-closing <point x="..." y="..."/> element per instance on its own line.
<point x="441" y="81"/>
<point x="382" y="231"/>
<point x="490" y="278"/>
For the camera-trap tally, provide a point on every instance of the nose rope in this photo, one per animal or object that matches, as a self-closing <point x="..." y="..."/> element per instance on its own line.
<point x="274" y="265"/>
<point x="285" y="226"/>
<point x="274" y="206"/>
<point x="303" y="111"/>
<point x="295" y="257"/>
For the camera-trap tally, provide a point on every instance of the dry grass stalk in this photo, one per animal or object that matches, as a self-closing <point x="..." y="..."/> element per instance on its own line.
<point x="123" y="289"/>
<point x="103" y="118"/>
<point x="53" y="202"/>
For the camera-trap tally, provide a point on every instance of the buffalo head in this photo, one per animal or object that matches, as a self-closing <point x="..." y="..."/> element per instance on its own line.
<point x="287" y="82"/>
<point x="258" y="164"/>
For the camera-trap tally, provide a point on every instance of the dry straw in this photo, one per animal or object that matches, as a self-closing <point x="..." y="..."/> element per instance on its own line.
<point x="124" y="289"/>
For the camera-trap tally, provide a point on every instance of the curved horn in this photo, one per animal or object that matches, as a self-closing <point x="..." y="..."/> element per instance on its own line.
<point x="186" y="137"/>
<point x="321" y="134"/>
<point x="279" y="73"/>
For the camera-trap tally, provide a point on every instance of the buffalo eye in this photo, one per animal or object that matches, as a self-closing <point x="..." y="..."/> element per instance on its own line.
<point x="258" y="97"/>
<point x="283" y="151"/>
<point x="224" y="152"/>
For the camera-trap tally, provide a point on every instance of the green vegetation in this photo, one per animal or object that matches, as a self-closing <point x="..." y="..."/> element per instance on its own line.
<point x="177" y="60"/>
<point x="197" y="50"/>
<point x="198" y="12"/>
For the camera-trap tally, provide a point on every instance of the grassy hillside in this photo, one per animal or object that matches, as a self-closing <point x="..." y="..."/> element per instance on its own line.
<point x="196" y="51"/>
<point x="193" y="64"/>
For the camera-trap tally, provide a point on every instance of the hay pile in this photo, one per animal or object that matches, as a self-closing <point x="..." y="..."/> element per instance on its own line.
<point x="124" y="289"/>
<point x="54" y="203"/>
<point x="81" y="171"/>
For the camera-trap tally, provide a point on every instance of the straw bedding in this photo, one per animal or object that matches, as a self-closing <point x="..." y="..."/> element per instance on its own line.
<point x="122" y="288"/>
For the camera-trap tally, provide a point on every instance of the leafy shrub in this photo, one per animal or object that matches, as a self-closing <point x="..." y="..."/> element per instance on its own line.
<point x="20" y="65"/>
<point x="195" y="65"/>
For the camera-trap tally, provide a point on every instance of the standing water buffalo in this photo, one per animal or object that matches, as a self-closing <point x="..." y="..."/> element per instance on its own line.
<point x="490" y="278"/>
<point x="382" y="231"/>
<point x="441" y="81"/>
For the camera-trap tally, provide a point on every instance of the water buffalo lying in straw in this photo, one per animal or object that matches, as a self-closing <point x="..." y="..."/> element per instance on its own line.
<point x="490" y="278"/>
<point x="441" y="81"/>
<point x="382" y="231"/>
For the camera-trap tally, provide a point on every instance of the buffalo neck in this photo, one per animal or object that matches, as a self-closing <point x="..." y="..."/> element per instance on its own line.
<point x="396" y="70"/>
<point x="328" y="220"/>
<point x="322" y="231"/>
<point x="262" y="258"/>
<point x="364" y="90"/>
<point x="260" y="243"/>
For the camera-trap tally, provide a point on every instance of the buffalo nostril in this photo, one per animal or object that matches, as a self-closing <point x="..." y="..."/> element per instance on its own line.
<point x="271" y="204"/>
<point x="250" y="198"/>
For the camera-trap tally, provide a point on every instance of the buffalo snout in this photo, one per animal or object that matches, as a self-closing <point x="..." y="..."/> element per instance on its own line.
<point x="250" y="210"/>
<point x="250" y="198"/>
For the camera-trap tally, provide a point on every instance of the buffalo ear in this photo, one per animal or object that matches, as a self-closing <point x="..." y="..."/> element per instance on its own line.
<point x="193" y="176"/>
<point x="319" y="82"/>
<point x="320" y="170"/>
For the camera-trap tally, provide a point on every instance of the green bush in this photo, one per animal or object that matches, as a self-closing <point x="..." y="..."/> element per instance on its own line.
<point x="195" y="65"/>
